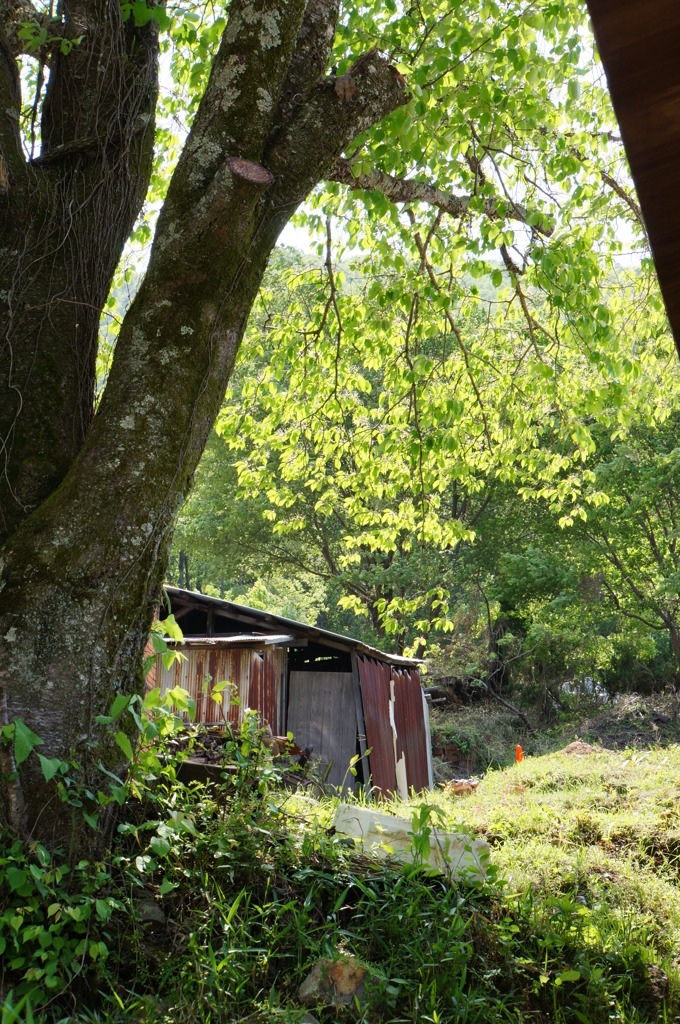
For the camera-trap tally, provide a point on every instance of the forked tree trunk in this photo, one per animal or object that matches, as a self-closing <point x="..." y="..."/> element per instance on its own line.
<point x="64" y="219"/>
<point x="80" y="574"/>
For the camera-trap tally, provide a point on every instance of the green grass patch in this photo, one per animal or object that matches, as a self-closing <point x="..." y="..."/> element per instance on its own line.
<point x="579" y="921"/>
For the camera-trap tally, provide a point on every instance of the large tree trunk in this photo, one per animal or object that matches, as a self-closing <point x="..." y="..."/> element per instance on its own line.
<point x="64" y="219"/>
<point x="80" y="575"/>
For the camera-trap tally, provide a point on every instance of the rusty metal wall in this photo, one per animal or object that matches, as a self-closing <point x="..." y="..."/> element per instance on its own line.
<point x="265" y="686"/>
<point x="412" y="733"/>
<point x="375" y="695"/>
<point x="150" y="681"/>
<point x="256" y="677"/>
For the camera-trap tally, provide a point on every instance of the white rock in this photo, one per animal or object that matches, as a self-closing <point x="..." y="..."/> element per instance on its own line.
<point x="454" y="854"/>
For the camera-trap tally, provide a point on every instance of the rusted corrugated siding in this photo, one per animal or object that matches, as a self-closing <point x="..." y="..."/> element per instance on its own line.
<point x="265" y="684"/>
<point x="150" y="681"/>
<point x="223" y="665"/>
<point x="375" y="693"/>
<point x="191" y="674"/>
<point x="256" y="678"/>
<point x="412" y="738"/>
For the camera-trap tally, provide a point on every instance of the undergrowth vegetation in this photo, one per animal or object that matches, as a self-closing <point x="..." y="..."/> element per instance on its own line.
<point x="217" y="901"/>
<point x="481" y="734"/>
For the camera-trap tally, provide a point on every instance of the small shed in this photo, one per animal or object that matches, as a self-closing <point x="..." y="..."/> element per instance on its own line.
<point x="333" y="692"/>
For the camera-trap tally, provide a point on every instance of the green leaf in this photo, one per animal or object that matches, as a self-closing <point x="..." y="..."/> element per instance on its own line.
<point x="169" y="658"/>
<point x="160" y="846"/>
<point x="103" y="909"/>
<point x="50" y="766"/>
<point x="123" y="741"/>
<point x="24" y="741"/>
<point x="141" y="13"/>
<point x="119" y="794"/>
<point x="16" y="879"/>
<point x="119" y="705"/>
<point x="159" y="644"/>
<point x="153" y="698"/>
<point x="234" y="907"/>
<point x="172" y="628"/>
<point x="574" y="90"/>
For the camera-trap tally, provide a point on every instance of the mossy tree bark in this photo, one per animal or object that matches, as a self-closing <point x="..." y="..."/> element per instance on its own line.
<point x="64" y="219"/>
<point x="89" y="521"/>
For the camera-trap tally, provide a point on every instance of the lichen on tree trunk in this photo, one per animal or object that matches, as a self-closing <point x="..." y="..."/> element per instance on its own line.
<point x="81" y="573"/>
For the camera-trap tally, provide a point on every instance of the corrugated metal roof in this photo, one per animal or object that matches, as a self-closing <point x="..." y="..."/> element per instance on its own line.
<point x="257" y="617"/>
<point x="242" y="639"/>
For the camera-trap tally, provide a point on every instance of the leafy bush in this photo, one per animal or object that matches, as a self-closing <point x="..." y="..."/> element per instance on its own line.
<point x="53" y="920"/>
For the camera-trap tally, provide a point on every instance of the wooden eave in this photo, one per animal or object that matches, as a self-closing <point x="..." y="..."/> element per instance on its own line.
<point x="639" y="43"/>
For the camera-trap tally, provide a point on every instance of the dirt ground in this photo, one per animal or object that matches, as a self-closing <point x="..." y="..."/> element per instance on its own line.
<point x="635" y="720"/>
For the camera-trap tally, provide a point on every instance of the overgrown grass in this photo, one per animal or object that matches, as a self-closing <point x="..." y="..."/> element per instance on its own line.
<point x="601" y="830"/>
<point x="579" y="921"/>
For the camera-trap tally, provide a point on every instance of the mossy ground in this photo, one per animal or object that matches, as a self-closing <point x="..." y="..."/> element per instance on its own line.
<point x="593" y="837"/>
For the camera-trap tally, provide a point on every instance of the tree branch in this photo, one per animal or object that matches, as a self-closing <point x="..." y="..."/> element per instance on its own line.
<point x="406" y="190"/>
<point x="612" y="557"/>
<point x="323" y="124"/>
<point x="192" y="306"/>
<point x="310" y="58"/>
<point x="506" y="704"/>
<point x="103" y="86"/>
<point x="454" y="329"/>
<point x="515" y="274"/>
<point x="625" y="197"/>
<point x="63" y="239"/>
<point x="234" y="119"/>
<point x="620" y="191"/>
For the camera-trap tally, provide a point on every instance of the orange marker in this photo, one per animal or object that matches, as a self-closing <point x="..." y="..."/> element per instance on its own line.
<point x="519" y="754"/>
